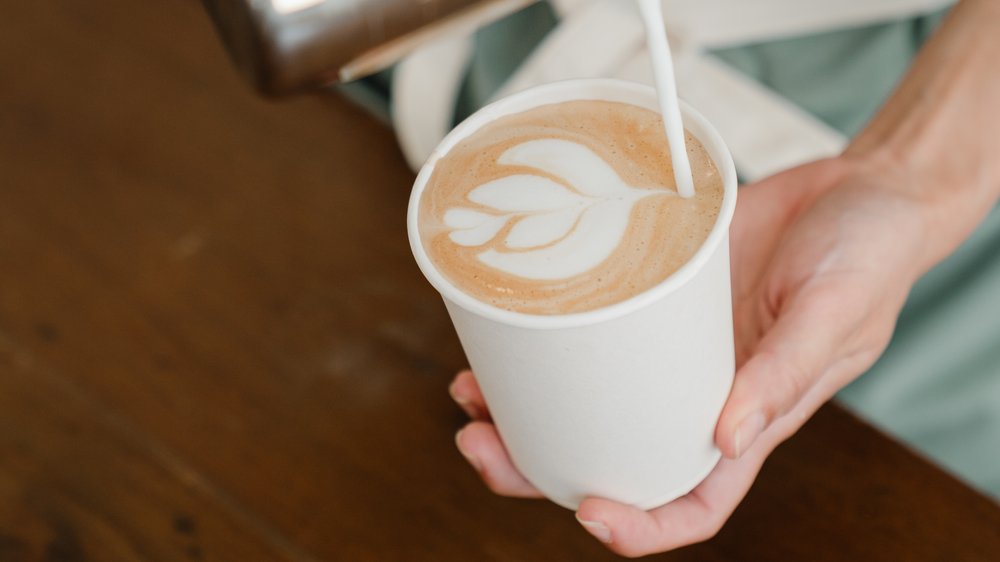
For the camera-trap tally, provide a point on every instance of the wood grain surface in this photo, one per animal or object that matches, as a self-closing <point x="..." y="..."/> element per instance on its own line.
<point x="214" y="344"/>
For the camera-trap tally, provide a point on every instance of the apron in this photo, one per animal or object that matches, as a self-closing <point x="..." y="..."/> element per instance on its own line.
<point x="785" y="82"/>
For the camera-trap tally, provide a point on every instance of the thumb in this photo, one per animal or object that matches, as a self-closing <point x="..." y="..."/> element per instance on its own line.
<point x="806" y="339"/>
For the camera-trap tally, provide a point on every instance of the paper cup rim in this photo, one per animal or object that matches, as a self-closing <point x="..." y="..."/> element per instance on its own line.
<point x="558" y="92"/>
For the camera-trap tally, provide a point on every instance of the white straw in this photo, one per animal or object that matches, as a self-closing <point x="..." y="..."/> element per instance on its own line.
<point x="666" y="87"/>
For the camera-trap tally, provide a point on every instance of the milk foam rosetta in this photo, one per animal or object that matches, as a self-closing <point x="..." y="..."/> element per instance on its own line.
<point x="565" y="208"/>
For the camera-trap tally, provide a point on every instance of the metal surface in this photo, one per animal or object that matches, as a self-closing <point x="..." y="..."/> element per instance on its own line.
<point x="283" y="46"/>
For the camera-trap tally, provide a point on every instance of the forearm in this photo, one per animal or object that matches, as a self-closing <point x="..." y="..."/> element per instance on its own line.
<point x="939" y="132"/>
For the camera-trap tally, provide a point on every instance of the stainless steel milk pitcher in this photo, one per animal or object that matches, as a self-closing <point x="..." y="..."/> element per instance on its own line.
<point x="283" y="46"/>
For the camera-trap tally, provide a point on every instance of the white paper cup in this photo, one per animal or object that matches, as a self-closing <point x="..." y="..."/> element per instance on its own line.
<point x="619" y="402"/>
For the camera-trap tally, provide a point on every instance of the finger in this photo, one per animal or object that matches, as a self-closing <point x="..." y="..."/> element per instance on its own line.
<point x="694" y="518"/>
<point x="791" y="358"/>
<point x="775" y="201"/>
<point x="480" y="444"/>
<point x="465" y="392"/>
<point x="801" y="184"/>
<point x="764" y="211"/>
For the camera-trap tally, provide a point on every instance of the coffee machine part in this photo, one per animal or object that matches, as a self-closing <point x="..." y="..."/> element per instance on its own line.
<point x="284" y="46"/>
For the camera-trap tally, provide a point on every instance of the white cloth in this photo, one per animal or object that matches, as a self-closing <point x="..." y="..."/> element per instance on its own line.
<point x="604" y="38"/>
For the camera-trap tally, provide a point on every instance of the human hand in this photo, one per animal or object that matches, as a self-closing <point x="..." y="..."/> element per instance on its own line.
<point x="823" y="256"/>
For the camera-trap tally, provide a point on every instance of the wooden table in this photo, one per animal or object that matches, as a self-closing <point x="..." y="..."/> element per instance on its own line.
<point x="214" y="344"/>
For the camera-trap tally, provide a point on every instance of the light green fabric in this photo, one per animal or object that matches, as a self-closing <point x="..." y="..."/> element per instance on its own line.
<point x="938" y="385"/>
<point x="500" y="48"/>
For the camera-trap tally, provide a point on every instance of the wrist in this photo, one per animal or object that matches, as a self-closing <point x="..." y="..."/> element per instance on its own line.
<point x="936" y="140"/>
<point x="945" y="199"/>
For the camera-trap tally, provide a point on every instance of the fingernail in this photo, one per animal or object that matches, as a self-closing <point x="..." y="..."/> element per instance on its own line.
<point x="467" y="406"/>
<point x="473" y="460"/>
<point x="454" y="395"/>
<point x="747" y="432"/>
<point x="600" y="531"/>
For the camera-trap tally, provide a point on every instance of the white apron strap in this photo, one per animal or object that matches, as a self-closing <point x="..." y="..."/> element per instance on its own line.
<point x="713" y="24"/>
<point x="592" y="41"/>
<point x="604" y="38"/>
<point x="765" y="132"/>
<point x="424" y="92"/>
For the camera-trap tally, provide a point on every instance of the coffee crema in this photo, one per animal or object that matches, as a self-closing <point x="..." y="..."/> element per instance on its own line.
<point x="565" y="208"/>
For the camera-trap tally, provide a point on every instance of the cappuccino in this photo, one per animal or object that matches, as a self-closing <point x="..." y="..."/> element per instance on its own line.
<point x="565" y="208"/>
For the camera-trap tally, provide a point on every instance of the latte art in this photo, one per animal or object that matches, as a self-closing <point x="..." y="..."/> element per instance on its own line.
<point x="566" y="229"/>
<point x="565" y="208"/>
